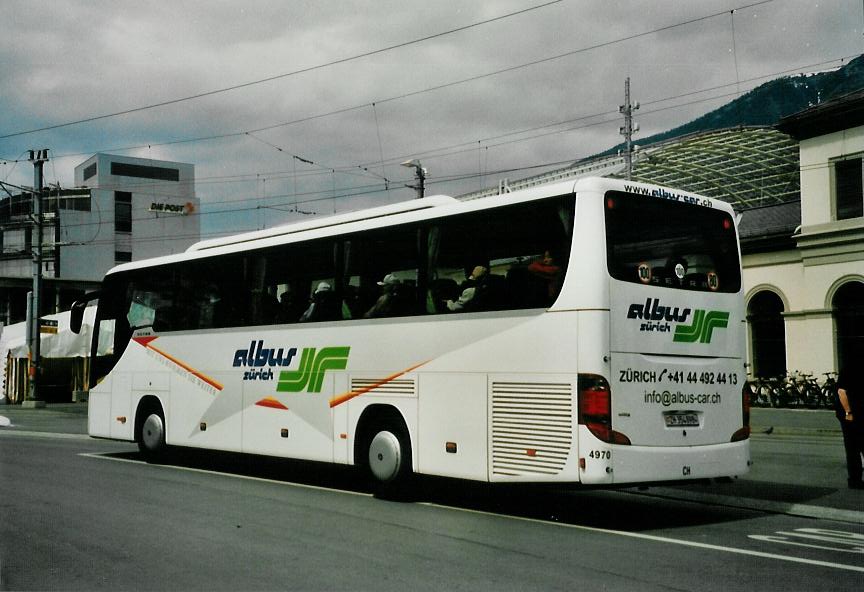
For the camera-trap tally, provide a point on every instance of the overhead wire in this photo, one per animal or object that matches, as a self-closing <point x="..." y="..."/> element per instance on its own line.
<point x="287" y="74"/>
<point x="368" y="190"/>
<point x="450" y="150"/>
<point x="432" y="88"/>
<point x="450" y="153"/>
<point x="333" y="170"/>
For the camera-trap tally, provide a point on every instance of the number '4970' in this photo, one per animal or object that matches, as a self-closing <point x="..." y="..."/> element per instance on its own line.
<point x="604" y="454"/>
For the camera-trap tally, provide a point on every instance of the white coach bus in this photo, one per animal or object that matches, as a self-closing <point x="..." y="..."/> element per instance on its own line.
<point x="584" y="332"/>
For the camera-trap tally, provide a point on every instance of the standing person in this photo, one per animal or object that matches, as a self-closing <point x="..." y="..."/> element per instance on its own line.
<point x="850" y="412"/>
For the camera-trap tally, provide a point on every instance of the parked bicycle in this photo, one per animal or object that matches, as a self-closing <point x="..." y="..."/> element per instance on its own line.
<point x="802" y="390"/>
<point x="794" y="389"/>
<point x="828" y="391"/>
<point x="767" y="391"/>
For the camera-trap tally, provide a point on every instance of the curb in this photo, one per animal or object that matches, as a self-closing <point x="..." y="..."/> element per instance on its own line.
<point x="760" y="505"/>
<point x="51" y="435"/>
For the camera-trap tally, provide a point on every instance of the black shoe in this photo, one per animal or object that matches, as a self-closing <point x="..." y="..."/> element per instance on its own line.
<point x="856" y="484"/>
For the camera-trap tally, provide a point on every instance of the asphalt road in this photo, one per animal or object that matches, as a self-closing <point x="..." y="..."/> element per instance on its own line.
<point x="84" y="514"/>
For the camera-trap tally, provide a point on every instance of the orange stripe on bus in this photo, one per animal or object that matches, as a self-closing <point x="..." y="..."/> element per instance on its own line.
<point x="345" y="397"/>
<point x="147" y="344"/>
<point x="271" y="402"/>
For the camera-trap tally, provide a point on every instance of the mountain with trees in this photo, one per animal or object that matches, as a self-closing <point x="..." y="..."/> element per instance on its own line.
<point x="769" y="102"/>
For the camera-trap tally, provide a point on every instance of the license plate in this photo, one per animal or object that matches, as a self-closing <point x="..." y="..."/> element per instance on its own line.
<point x="682" y="419"/>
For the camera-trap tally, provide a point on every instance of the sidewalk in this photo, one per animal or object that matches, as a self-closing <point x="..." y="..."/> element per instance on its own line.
<point x="64" y="418"/>
<point x="794" y="421"/>
<point x="799" y="469"/>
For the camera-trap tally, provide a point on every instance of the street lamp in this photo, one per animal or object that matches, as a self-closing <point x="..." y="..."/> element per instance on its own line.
<point x="419" y="176"/>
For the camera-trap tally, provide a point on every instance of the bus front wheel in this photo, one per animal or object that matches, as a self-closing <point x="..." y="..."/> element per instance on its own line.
<point x="386" y="456"/>
<point x="151" y="441"/>
<point x="388" y="460"/>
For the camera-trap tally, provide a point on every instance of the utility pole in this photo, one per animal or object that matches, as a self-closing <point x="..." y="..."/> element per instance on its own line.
<point x="419" y="176"/>
<point x="38" y="158"/>
<point x="629" y="128"/>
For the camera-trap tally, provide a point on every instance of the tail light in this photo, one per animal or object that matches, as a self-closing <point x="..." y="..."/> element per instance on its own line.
<point x="595" y="409"/>
<point x="744" y="432"/>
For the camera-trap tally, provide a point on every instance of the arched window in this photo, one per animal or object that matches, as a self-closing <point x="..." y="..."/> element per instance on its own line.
<point x="767" y="333"/>
<point x="848" y="305"/>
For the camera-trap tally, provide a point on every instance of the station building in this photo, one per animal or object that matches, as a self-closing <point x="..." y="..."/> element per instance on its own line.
<point x="122" y="209"/>
<point x="806" y="296"/>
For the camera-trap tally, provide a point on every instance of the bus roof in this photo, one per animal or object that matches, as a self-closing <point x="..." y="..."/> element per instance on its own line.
<point x="402" y="212"/>
<point x="327" y="221"/>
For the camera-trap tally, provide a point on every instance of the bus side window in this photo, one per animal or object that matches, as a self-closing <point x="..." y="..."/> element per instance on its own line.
<point x="397" y="295"/>
<point x="440" y="291"/>
<point x="292" y="302"/>
<point x="523" y="247"/>
<point x="381" y="273"/>
<point x="525" y="289"/>
<point x="547" y="272"/>
<point x="324" y="304"/>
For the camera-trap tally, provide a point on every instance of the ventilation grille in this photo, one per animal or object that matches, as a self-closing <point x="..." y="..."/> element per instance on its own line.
<point x="532" y="427"/>
<point x="377" y="386"/>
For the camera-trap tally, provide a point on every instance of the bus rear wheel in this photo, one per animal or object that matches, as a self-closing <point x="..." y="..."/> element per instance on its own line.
<point x="151" y="440"/>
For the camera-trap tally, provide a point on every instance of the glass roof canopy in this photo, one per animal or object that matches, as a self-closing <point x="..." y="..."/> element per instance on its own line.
<point x="747" y="167"/>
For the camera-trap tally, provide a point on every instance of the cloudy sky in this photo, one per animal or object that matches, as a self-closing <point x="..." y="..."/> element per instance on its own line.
<point x="252" y="92"/>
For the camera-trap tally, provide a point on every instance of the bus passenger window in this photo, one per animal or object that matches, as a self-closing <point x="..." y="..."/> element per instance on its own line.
<point x="524" y="249"/>
<point x="292" y="303"/>
<point x="548" y="270"/>
<point x="397" y="296"/>
<point x="381" y="273"/>
<point x="323" y="305"/>
<point x="475" y="292"/>
<point x="440" y="291"/>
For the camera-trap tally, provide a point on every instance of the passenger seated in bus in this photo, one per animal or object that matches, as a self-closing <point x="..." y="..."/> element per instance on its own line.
<point x="440" y="291"/>
<point x="291" y="306"/>
<point x="386" y="304"/>
<point x="472" y="292"/>
<point x="323" y="306"/>
<point x="548" y="269"/>
<point x="265" y="306"/>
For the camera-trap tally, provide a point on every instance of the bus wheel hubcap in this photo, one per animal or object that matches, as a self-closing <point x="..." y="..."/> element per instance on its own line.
<point x="152" y="432"/>
<point x="385" y="456"/>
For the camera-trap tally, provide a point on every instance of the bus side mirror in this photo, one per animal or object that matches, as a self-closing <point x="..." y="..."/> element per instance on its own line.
<point x="76" y="319"/>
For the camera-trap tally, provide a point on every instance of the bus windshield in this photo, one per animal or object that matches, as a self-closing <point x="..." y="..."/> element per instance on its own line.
<point x="665" y="243"/>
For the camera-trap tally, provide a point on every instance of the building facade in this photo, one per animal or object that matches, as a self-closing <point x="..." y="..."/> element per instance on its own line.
<point x="805" y="292"/>
<point x="122" y="209"/>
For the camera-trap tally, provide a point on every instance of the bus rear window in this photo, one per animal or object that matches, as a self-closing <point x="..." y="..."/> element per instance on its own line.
<point x="670" y="244"/>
